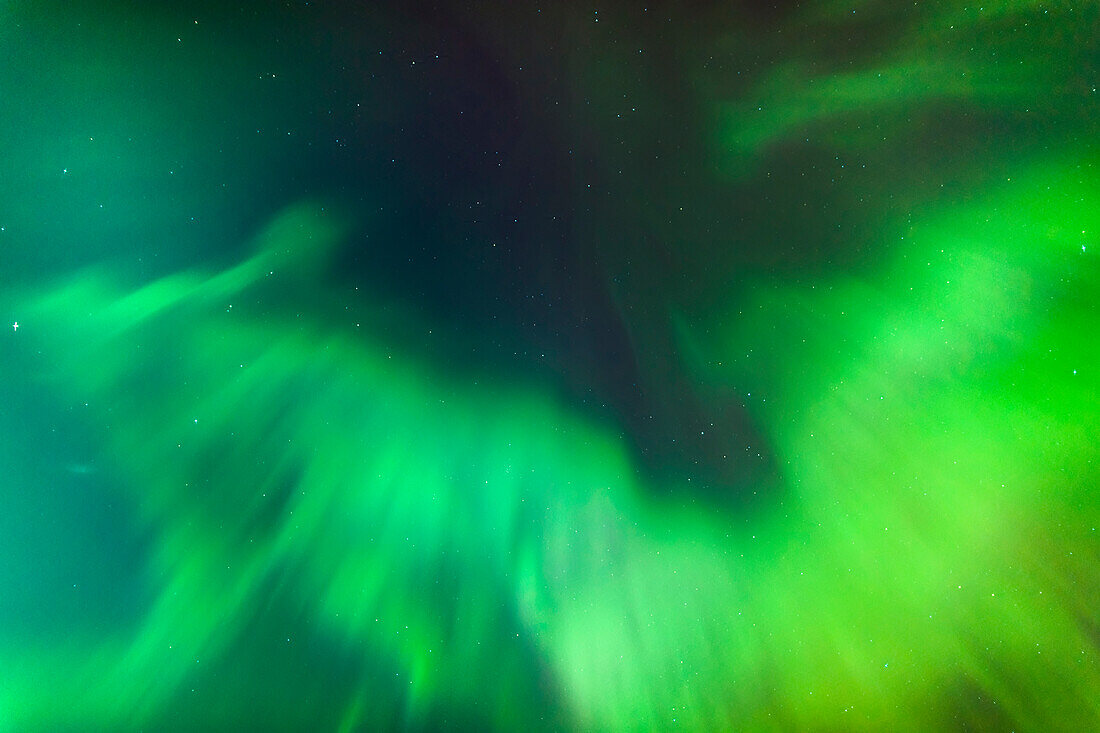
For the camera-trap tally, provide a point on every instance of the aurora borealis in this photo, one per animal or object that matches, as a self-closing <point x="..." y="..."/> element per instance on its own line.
<point x="501" y="366"/>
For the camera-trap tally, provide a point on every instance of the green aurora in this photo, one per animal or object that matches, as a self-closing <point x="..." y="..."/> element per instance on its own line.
<point x="293" y="509"/>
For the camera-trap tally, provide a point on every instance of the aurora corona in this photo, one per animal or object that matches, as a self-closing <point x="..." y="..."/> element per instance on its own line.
<point x="820" y="457"/>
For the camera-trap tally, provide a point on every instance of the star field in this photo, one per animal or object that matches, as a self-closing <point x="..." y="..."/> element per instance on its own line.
<point x="508" y="366"/>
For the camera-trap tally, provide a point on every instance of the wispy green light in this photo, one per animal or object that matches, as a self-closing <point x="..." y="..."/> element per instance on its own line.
<point x="457" y="533"/>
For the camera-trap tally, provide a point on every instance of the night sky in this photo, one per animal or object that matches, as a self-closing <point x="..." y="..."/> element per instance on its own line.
<point x="518" y="366"/>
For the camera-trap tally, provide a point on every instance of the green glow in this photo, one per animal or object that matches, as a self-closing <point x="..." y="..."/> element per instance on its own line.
<point x="336" y="529"/>
<point x="954" y="58"/>
<point x="936" y="418"/>
<point x="941" y="434"/>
